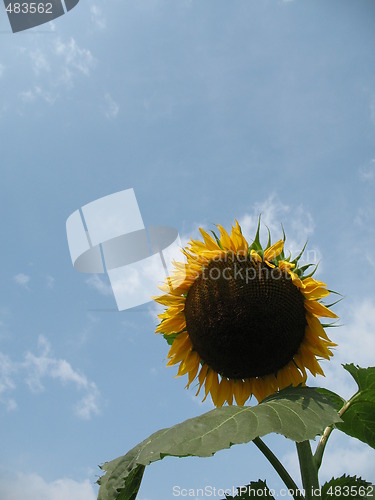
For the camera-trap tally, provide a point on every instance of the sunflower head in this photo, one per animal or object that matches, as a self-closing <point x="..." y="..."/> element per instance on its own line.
<point x="243" y="319"/>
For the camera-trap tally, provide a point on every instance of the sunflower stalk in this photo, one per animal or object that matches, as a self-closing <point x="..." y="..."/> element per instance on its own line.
<point x="318" y="456"/>
<point x="309" y="471"/>
<point x="279" y="468"/>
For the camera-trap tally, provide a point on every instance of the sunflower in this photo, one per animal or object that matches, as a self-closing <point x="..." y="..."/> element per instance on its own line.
<point x="241" y="319"/>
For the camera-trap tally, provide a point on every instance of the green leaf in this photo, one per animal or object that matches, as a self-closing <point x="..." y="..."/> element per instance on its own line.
<point x="298" y="413"/>
<point x="346" y="487"/>
<point x="337" y="401"/>
<point x="255" y="489"/>
<point x="118" y="474"/>
<point x="359" y="417"/>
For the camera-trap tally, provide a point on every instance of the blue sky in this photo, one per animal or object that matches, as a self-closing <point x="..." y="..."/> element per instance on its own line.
<point x="211" y="111"/>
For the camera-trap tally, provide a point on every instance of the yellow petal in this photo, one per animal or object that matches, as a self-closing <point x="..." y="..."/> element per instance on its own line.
<point x="240" y="244"/>
<point x="285" y="265"/>
<point x="254" y="255"/>
<point x="222" y="392"/>
<point x="242" y="391"/>
<point x="274" y="251"/>
<point x="193" y="373"/>
<point x="172" y="325"/>
<point x="319" y="309"/>
<point x="225" y="240"/>
<point x="209" y="241"/>
<point x="180" y="343"/>
<point x="309" y="283"/>
<point x="191" y="362"/>
<point x="201" y="377"/>
<point x="169" y="300"/>
<point x="210" y="383"/>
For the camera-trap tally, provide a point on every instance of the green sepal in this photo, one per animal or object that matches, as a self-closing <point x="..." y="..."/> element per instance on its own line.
<point x="312" y="272"/>
<point x="269" y="238"/>
<point x="300" y="270"/>
<point x="170" y="338"/>
<point x="294" y="261"/>
<point x="256" y="245"/>
<point x="334" y="303"/>
<point x="330" y="325"/>
<point x="217" y="239"/>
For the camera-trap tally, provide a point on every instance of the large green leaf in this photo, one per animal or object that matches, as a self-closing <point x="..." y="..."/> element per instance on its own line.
<point x="297" y="413"/>
<point x="255" y="489"/>
<point x="347" y="487"/>
<point x="358" y="414"/>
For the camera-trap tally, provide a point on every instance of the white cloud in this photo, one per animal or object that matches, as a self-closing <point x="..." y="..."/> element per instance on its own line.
<point x="88" y="405"/>
<point x="31" y="95"/>
<point x="56" y="67"/>
<point x="39" y="62"/>
<point x="22" y="279"/>
<point x="111" y="107"/>
<point x="75" y="59"/>
<point x="298" y="224"/>
<point x="1" y="70"/>
<point x="97" y="17"/>
<point x="14" y="488"/>
<point x="35" y="369"/>
<point x="7" y="383"/>
<point x="368" y="173"/>
<point x="50" y="282"/>
<point x="356" y="344"/>
<point x="45" y="366"/>
<point x="99" y="285"/>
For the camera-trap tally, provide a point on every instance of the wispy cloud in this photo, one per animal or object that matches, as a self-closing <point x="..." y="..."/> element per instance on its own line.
<point x="36" y="92"/>
<point x="50" y="282"/>
<point x="356" y="343"/>
<point x="367" y="173"/>
<point x="7" y="383"/>
<point x="56" y="68"/>
<point x="74" y="58"/>
<point x="99" y="285"/>
<point x="44" y="365"/>
<point x="35" y="369"/>
<point x="39" y="62"/>
<point x="298" y="223"/>
<point x="22" y="279"/>
<point x="2" y="68"/>
<point x="13" y="486"/>
<point x="111" y="109"/>
<point x="97" y="17"/>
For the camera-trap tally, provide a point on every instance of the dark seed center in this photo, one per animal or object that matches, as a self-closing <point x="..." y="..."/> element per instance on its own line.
<point x="245" y="319"/>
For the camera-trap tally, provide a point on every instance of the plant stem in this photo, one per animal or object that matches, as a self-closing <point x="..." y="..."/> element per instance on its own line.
<point x="318" y="457"/>
<point x="279" y="468"/>
<point x="309" y="471"/>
